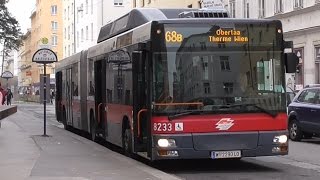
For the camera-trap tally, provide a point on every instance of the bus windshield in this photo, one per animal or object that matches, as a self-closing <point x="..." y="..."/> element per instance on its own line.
<point x="199" y="68"/>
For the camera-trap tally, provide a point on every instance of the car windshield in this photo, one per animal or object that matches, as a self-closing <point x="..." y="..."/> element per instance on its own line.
<point x="193" y="77"/>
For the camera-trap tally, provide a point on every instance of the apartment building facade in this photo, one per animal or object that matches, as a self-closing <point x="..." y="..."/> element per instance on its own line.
<point x="300" y="25"/>
<point x="25" y="61"/>
<point x="45" y="32"/>
<point x="82" y="20"/>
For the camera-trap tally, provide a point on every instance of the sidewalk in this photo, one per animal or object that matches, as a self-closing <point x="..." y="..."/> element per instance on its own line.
<point x="25" y="154"/>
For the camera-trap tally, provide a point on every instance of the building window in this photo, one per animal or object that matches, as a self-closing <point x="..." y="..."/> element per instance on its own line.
<point x="65" y="51"/>
<point x="206" y="87"/>
<point x="228" y="88"/>
<point x="261" y="8"/>
<point x="189" y="6"/>
<point x="299" y="75"/>
<point x="78" y="15"/>
<point x="65" y="33"/>
<point x="68" y="50"/>
<point x="72" y="9"/>
<point x="205" y="69"/>
<point x="87" y="6"/>
<point x="68" y="32"/>
<point x="248" y="10"/>
<point x="317" y="64"/>
<point x="68" y="12"/>
<point x="54" y="10"/>
<point x="81" y="9"/>
<point x="54" y="25"/>
<point x="245" y="9"/>
<point x="224" y="62"/>
<point x="134" y="4"/>
<point x="149" y="1"/>
<point x="118" y="2"/>
<point x="232" y="9"/>
<point x="87" y="33"/>
<point x="91" y="31"/>
<point x="72" y="28"/>
<point x="65" y="14"/>
<point x="54" y="40"/>
<point x="278" y="6"/>
<point x="72" y="48"/>
<point x="91" y="6"/>
<point x="77" y="38"/>
<point x="298" y="4"/>
<point x="82" y="38"/>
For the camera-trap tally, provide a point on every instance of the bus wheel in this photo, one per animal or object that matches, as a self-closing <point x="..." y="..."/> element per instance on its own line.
<point x="64" y="120"/>
<point x="127" y="142"/>
<point x="93" y="128"/>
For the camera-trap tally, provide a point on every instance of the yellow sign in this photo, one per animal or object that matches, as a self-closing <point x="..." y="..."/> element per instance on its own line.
<point x="224" y="36"/>
<point x="173" y="37"/>
<point x="44" y="40"/>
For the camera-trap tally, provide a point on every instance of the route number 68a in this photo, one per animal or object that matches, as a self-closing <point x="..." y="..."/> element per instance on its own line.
<point x="162" y="127"/>
<point x="173" y="36"/>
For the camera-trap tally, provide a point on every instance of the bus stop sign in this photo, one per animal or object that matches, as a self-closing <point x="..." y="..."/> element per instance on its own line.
<point x="44" y="56"/>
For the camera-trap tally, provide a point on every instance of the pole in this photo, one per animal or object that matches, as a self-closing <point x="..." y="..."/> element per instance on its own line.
<point x="102" y="13"/>
<point x="74" y="27"/>
<point x="44" y="99"/>
<point x="4" y="45"/>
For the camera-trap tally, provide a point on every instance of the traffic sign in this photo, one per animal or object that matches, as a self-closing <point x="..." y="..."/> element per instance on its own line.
<point x="212" y="4"/>
<point x="7" y="75"/>
<point x="44" y="56"/>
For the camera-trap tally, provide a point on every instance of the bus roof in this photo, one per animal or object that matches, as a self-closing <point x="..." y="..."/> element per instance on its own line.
<point x="68" y="61"/>
<point x="139" y="16"/>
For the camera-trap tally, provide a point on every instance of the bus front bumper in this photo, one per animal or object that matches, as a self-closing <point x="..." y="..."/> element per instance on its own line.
<point x="185" y="147"/>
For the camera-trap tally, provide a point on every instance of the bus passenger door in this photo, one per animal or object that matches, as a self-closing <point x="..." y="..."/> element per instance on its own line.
<point x="58" y="96"/>
<point x="141" y="110"/>
<point x="69" y="97"/>
<point x="100" y="96"/>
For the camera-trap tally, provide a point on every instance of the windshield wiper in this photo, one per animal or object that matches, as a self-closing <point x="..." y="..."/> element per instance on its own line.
<point x="185" y="113"/>
<point x="273" y="114"/>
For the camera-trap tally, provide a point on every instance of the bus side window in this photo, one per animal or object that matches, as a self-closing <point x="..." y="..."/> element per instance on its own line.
<point x="109" y="96"/>
<point x="91" y="89"/>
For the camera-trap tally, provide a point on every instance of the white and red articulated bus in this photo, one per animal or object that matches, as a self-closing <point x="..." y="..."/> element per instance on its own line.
<point x="181" y="84"/>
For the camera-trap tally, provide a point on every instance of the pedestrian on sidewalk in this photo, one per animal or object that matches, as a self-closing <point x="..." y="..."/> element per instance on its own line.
<point x="51" y="96"/>
<point x="9" y="97"/>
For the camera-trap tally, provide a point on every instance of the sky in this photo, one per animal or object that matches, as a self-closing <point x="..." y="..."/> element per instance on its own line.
<point x="21" y="10"/>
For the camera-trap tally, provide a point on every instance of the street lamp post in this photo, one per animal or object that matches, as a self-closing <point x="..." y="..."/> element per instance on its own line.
<point x="74" y="27"/>
<point x="3" y="54"/>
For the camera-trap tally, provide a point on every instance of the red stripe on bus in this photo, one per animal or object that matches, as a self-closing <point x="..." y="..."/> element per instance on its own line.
<point x="209" y="123"/>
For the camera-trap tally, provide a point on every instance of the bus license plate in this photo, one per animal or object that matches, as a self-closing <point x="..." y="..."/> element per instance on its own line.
<point x="225" y="154"/>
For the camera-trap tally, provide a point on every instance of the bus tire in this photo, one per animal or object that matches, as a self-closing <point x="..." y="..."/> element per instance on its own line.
<point x="92" y="128"/>
<point x="127" y="142"/>
<point x="64" y="120"/>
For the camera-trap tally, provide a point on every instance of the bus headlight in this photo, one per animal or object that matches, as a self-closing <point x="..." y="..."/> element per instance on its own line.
<point x="166" y="143"/>
<point x="280" y="139"/>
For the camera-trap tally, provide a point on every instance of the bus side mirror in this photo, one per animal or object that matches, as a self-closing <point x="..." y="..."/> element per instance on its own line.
<point x="291" y="62"/>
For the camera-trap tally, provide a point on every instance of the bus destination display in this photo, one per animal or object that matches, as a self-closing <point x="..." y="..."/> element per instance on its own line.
<point x="225" y="36"/>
